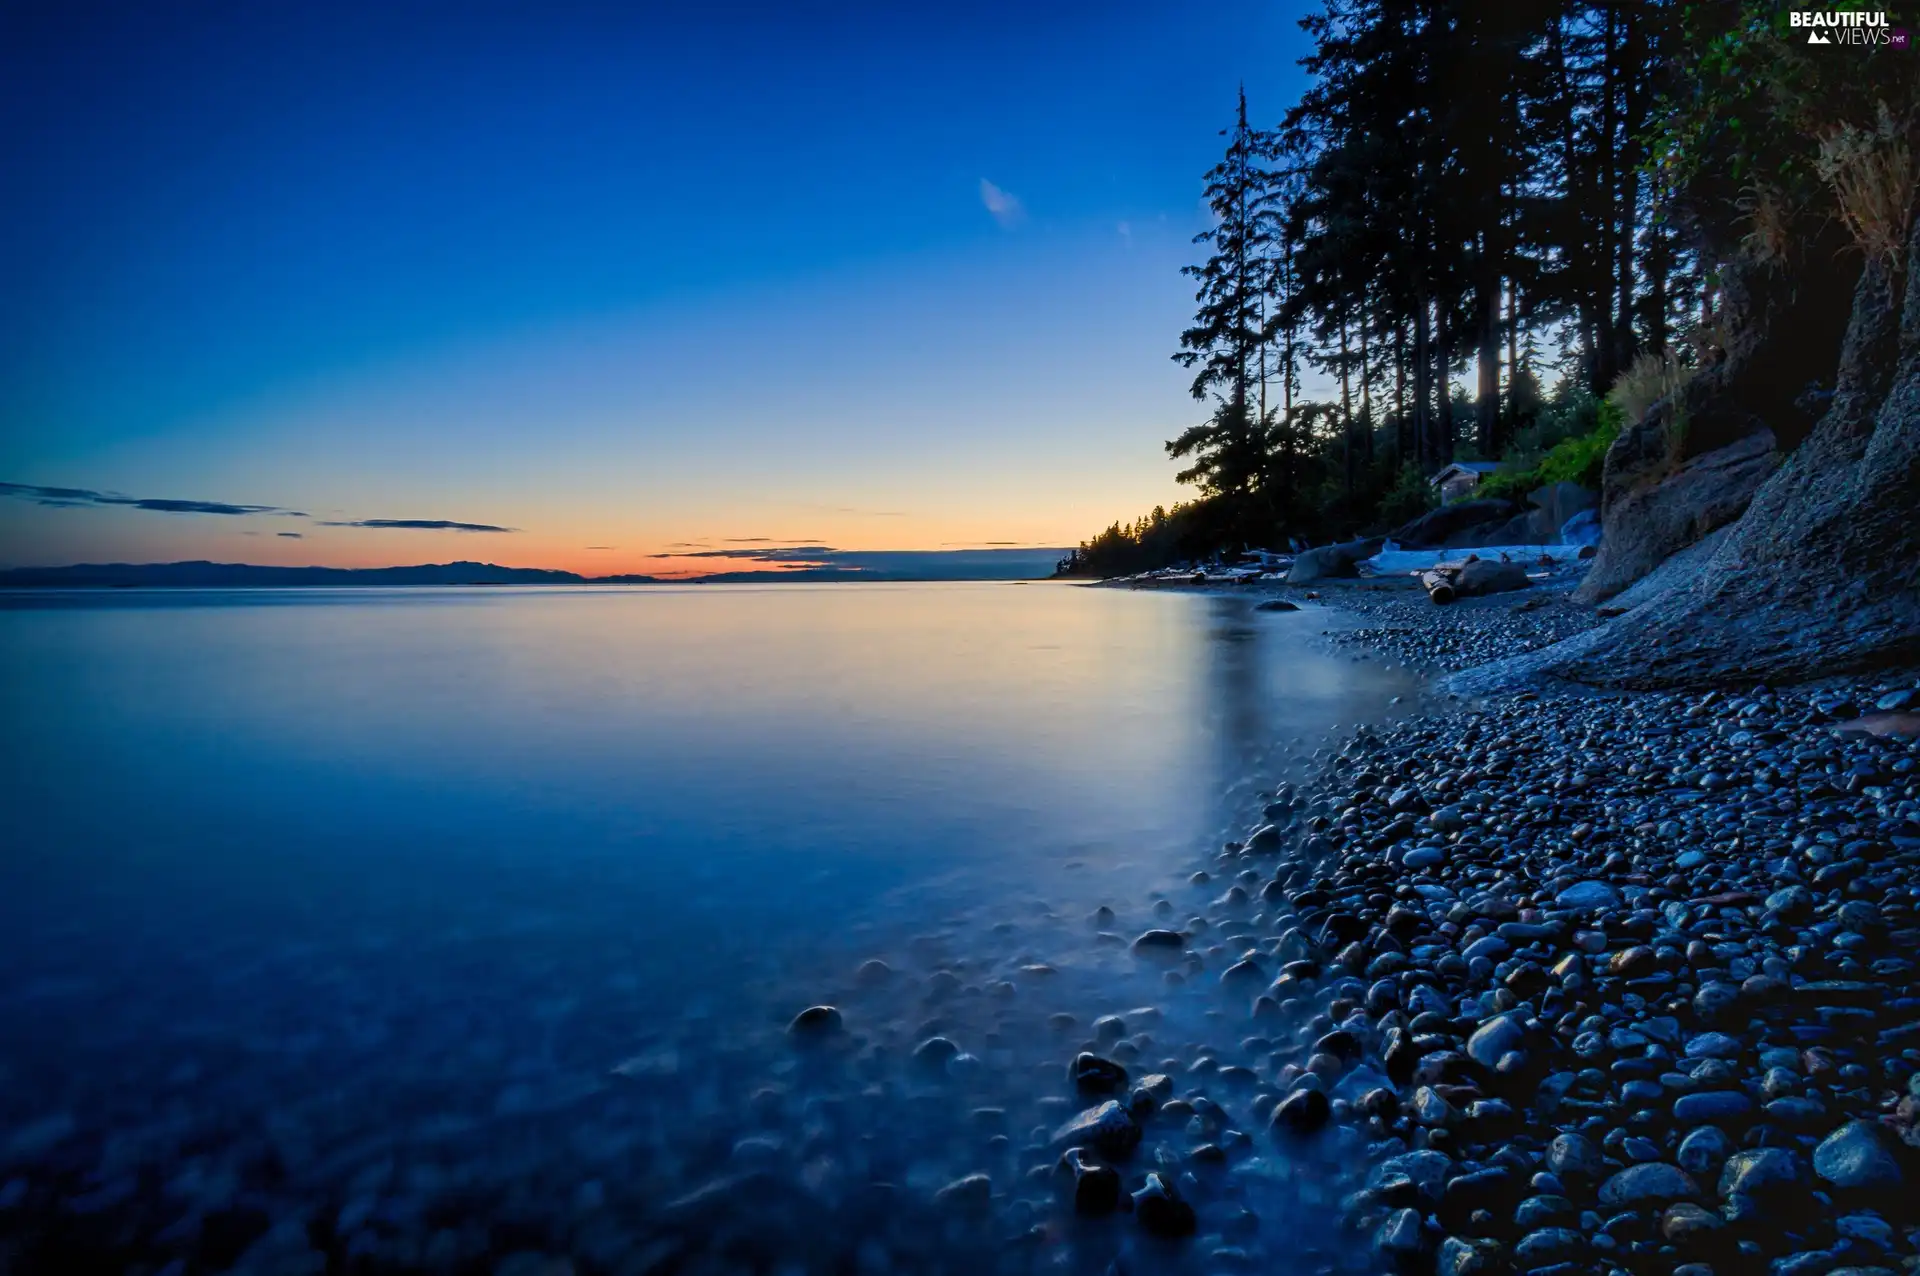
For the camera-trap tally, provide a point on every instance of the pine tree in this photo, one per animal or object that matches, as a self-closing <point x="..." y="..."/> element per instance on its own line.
<point x="1228" y="343"/>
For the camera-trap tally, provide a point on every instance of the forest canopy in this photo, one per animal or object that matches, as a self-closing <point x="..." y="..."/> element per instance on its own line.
<point x="1472" y="200"/>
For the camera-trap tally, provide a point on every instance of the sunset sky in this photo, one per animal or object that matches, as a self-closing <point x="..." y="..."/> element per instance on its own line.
<point x="617" y="282"/>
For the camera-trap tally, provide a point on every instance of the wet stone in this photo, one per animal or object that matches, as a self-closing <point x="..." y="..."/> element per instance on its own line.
<point x="1091" y="1074"/>
<point x="816" y="1023"/>
<point x="1301" y="1113"/>
<point x="1108" y="1129"/>
<point x="1160" y="1211"/>
<point x="1857" y="1158"/>
<point x="1650" y="1183"/>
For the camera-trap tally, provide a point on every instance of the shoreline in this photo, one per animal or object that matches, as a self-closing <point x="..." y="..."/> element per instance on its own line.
<point x="1495" y="985"/>
<point x="1631" y="970"/>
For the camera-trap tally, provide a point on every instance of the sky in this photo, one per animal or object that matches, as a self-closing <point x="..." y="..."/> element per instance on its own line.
<point x="600" y="287"/>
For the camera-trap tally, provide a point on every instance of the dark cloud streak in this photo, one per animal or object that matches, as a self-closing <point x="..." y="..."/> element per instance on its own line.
<point x="421" y="525"/>
<point x="80" y="497"/>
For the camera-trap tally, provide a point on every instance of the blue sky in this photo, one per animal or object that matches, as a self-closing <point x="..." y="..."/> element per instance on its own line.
<point x="875" y="277"/>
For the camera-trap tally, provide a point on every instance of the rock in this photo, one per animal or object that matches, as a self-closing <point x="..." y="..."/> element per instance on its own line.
<point x="1300" y="1113"/>
<point x="1714" y="1045"/>
<point x="933" y="1054"/>
<point x="1704" y="1151"/>
<point x="1426" y="1170"/>
<point x="1686" y="1224"/>
<point x="1549" y="1246"/>
<point x="1791" y="904"/>
<point x="1856" y="1158"/>
<point x="1713" y="1106"/>
<point x="1496" y="1038"/>
<point x="1160" y="941"/>
<point x="1091" y="1074"/>
<point x="1096" y="1188"/>
<point x="1469" y="1256"/>
<point x="1835" y="520"/>
<point x="974" y="1192"/>
<point x="1108" y="1129"/>
<point x="1455" y="525"/>
<point x="1764" y="1174"/>
<point x="815" y="1023"/>
<point x="1646" y="524"/>
<point x="1161" y="1211"/>
<point x="1588" y="897"/>
<point x="1574" y="1157"/>
<point x="1424" y="857"/>
<point x="1715" y="1002"/>
<point x="1400" y="1235"/>
<point x="1632" y="963"/>
<point x="1277" y="604"/>
<point x="1332" y="562"/>
<point x="1555" y="505"/>
<point x="1488" y="576"/>
<point x="1654" y="1183"/>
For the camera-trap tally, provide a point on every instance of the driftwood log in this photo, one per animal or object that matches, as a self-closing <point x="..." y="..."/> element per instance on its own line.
<point x="1448" y="581"/>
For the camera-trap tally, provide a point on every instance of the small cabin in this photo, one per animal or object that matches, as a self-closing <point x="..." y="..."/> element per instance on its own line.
<point x="1460" y="478"/>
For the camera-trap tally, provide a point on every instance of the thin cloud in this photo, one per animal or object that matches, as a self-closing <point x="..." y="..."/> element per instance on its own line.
<point x="1004" y="205"/>
<point x="82" y="497"/>
<point x="772" y="554"/>
<point x="292" y="536"/>
<point x="422" y="525"/>
<point x="600" y="547"/>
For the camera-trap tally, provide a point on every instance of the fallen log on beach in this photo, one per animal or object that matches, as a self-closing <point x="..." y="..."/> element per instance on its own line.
<point x="1448" y="581"/>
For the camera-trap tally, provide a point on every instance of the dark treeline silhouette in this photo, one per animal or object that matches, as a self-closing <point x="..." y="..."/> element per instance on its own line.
<point x="1502" y="190"/>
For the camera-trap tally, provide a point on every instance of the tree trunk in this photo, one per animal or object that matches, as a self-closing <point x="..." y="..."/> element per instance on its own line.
<point x="1487" y="406"/>
<point x="1366" y="397"/>
<point x="1629" y="210"/>
<point x="1513" y="354"/>
<point x="1346" y="407"/>
<point x="1422" y="387"/>
<point x="1443" y="370"/>
<point x="1818" y="577"/>
<point x="1400" y="448"/>
<point x="1606" y="186"/>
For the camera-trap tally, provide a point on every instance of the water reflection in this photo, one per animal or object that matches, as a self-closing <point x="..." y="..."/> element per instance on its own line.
<point x="400" y="875"/>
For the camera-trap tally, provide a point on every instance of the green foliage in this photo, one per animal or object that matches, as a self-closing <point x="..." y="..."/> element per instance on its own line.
<point x="1409" y="497"/>
<point x="1579" y="459"/>
<point x="1748" y="103"/>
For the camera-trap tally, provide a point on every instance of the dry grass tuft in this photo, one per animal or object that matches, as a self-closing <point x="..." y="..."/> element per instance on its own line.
<point x="1873" y="179"/>
<point x="1651" y="377"/>
<point x="1769" y="239"/>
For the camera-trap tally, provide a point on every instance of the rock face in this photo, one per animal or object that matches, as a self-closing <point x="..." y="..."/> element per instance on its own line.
<point x="1332" y="562"/>
<point x="1647" y="523"/>
<point x="1448" y="525"/>
<point x="1817" y="578"/>
<point x="1553" y="505"/>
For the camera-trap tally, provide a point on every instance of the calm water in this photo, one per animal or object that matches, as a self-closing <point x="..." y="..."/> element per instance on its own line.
<point x="333" y="864"/>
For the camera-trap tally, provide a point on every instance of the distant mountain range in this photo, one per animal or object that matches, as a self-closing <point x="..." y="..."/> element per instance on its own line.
<point x="900" y="566"/>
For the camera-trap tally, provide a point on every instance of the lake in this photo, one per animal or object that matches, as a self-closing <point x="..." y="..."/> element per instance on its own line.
<point x="458" y="929"/>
